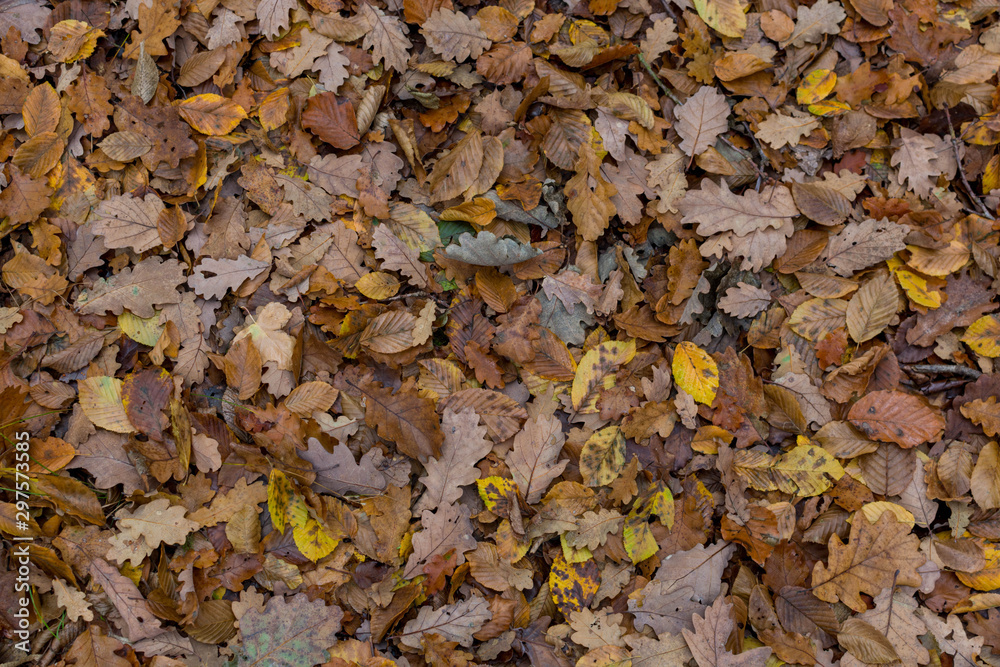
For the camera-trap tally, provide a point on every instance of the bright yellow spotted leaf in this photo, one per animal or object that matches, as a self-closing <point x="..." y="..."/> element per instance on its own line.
<point x="279" y="497"/>
<point x="378" y="285"/>
<point x="496" y="492"/>
<point x="313" y="538"/>
<point x="816" y="86"/>
<point x="603" y="457"/>
<point x="211" y="114"/>
<point x="573" y="585"/>
<point x="724" y="16"/>
<point x="101" y="400"/>
<point x="695" y="372"/>
<point x="983" y="336"/>
<point x="638" y="537"/>
<point x="829" y="108"/>
<point x="804" y="470"/>
<point x="596" y="372"/>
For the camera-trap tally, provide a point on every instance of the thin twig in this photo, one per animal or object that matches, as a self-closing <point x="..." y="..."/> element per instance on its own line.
<point x="965" y="181"/>
<point x="669" y="93"/>
<point x="953" y="369"/>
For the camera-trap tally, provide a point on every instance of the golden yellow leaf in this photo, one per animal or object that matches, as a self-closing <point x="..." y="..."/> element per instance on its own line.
<point x="918" y="289"/>
<point x="274" y="109"/>
<point x="378" y="285"/>
<point x="816" y="86"/>
<point x="983" y="336"/>
<point x="211" y="114"/>
<point x="695" y="372"/>
<point x="829" y="108"/>
<point x="480" y="212"/>
<point x="988" y="578"/>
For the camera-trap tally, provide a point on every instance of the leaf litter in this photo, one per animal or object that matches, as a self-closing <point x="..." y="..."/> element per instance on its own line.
<point x="606" y="333"/>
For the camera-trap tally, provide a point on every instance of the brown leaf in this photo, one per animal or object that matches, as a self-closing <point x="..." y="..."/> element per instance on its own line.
<point x="332" y="119"/>
<point x="893" y="416"/>
<point x="876" y="557"/>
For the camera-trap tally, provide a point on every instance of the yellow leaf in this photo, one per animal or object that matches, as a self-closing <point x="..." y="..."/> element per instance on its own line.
<point x="313" y="539"/>
<point x="289" y="509"/>
<point x="983" y="336"/>
<point x="918" y="290"/>
<point x="101" y="400"/>
<point x="708" y="438"/>
<point x="603" y="457"/>
<point x="572" y="554"/>
<point x="873" y="512"/>
<point x="725" y="16"/>
<point x="573" y="585"/>
<point x="829" y="108"/>
<point x="274" y="109"/>
<point x="495" y="491"/>
<point x="378" y="285"/>
<point x="695" y="372"/>
<point x="73" y="40"/>
<point x="279" y="497"/>
<point x="801" y="471"/>
<point x="144" y="330"/>
<point x="815" y="86"/>
<point x="211" y="114"/>
<point x="638" y="537"/>
<point x="480" y="212"/>
<point x="596" y="371"/>
<point x="991" y="174"/>
<point x="988" y="578"/>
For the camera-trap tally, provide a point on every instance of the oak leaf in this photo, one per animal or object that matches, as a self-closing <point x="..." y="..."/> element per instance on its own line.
<point x="454" y="622"/>
<point x="708" y="640"/>
<point x="146" y="528"/>
<point x="714" y="208"/>
<point x="292" y="632"/>
<point x="869" y="562"/>
<point x="701" y="119"/>
<point x="454" y="36"/>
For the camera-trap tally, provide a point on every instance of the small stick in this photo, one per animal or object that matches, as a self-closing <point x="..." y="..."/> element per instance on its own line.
<point x="669" y="93"/>
<point x="965" y="181"/>
<point x="953" y="369"/>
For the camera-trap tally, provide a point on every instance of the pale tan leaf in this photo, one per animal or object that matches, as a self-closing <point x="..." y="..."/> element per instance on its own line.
<point x="701" y="119"/>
